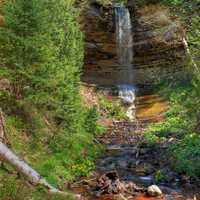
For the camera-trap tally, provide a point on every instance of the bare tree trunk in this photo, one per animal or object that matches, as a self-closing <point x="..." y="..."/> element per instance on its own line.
<point x="2" y="129"/>
<point x="7" y="155"/>
<point x="189" y="54"/>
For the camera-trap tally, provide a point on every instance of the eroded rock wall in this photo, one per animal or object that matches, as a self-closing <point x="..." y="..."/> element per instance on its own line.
<point x="158" y="48"/>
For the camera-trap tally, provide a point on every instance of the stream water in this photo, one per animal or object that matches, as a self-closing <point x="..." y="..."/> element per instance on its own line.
<point x="135" y="162"/>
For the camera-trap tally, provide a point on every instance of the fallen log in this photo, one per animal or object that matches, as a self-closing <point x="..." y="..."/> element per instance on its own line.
<point x="33" y="176"/>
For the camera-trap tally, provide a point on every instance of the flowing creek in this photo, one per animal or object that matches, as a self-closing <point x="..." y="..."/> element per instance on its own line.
<point x="128" y="166"/>
<point x="134" y="163"/>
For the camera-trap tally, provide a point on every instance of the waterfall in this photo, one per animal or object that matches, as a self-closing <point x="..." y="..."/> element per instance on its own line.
<point x="124" y="42"/>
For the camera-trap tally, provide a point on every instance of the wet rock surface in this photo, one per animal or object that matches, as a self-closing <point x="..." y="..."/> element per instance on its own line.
<point x="129" y="170"/>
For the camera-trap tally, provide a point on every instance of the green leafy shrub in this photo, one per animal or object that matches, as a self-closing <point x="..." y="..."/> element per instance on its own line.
<point x="113" y="109"/>
<point x="91" y="121"/>
<point x="91" y="118"/>
<point x="159" y="176"/>
<point x="180" y="119"/>
<point x="41" y="49"/>
<point x="181" y="116"/>
<point x="150" y="138"/>
<point x="185" y="155"/>
<point x="84" y="168"/>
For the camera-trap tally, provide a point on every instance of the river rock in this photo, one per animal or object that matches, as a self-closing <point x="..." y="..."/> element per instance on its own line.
<point x="122" y="163"/>
<point x="144" y="169"/>
<point x="154" y="191"/>
<point x="144" y="151"/>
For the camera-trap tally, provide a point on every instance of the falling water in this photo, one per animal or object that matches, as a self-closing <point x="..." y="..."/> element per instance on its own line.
<point x="124" y="42"/>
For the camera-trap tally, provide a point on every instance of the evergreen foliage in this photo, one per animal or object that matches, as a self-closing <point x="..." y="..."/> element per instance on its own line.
<point x="41" y="52"/>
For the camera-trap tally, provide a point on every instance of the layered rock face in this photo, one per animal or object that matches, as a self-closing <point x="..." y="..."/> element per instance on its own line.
<point x="159" y="51"/>
<point x="158" y="48"/>
<point x="101" y="65"/>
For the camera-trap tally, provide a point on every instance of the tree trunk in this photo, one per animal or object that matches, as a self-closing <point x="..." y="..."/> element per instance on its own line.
<point x="2" y="129"/>
<point x="7" y="155"/>
<point x="190" y="55"/>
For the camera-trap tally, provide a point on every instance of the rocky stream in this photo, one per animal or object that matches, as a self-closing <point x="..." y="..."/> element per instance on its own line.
<point x="123" y="48"/>
<point x="131" y="169"/>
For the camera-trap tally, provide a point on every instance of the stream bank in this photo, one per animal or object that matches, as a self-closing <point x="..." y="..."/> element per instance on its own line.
<point x="134" y="163"/>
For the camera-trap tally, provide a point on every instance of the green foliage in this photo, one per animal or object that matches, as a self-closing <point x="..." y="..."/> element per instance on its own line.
<point x="91" y="121"/>
<point x="159" y="176"/>
<point x="113" y="109"/>
<point x="41" y="49"/>
<point x="123" y="2"/>
<point x="13" y="188"/>
<point x="180" y="121"/>
<point x="181" y="116"/>
<point x="174" y="123"/>
<point x="8" y="188"/>
<point x="91" y="118"/>
<point x="150" y="138"/>
<point x="185" y="155"/>
<point x="83" y="169"/>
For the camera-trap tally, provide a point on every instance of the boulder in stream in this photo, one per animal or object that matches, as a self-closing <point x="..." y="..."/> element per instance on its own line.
<point x="154" y="191"/>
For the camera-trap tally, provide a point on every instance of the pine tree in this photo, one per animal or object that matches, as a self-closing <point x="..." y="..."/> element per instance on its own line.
<point x="42" y="49"/>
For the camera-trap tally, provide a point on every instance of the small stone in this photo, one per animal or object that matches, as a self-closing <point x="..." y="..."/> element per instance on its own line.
<point x="144" y="151"/>
<point x="144" y="169"/>
<point x="122" y="164"/>
<point x="154" y="191"/>
<point x="90" y="45"/>
<point x="78" y="196"/>
<point x="137" y="162"/>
